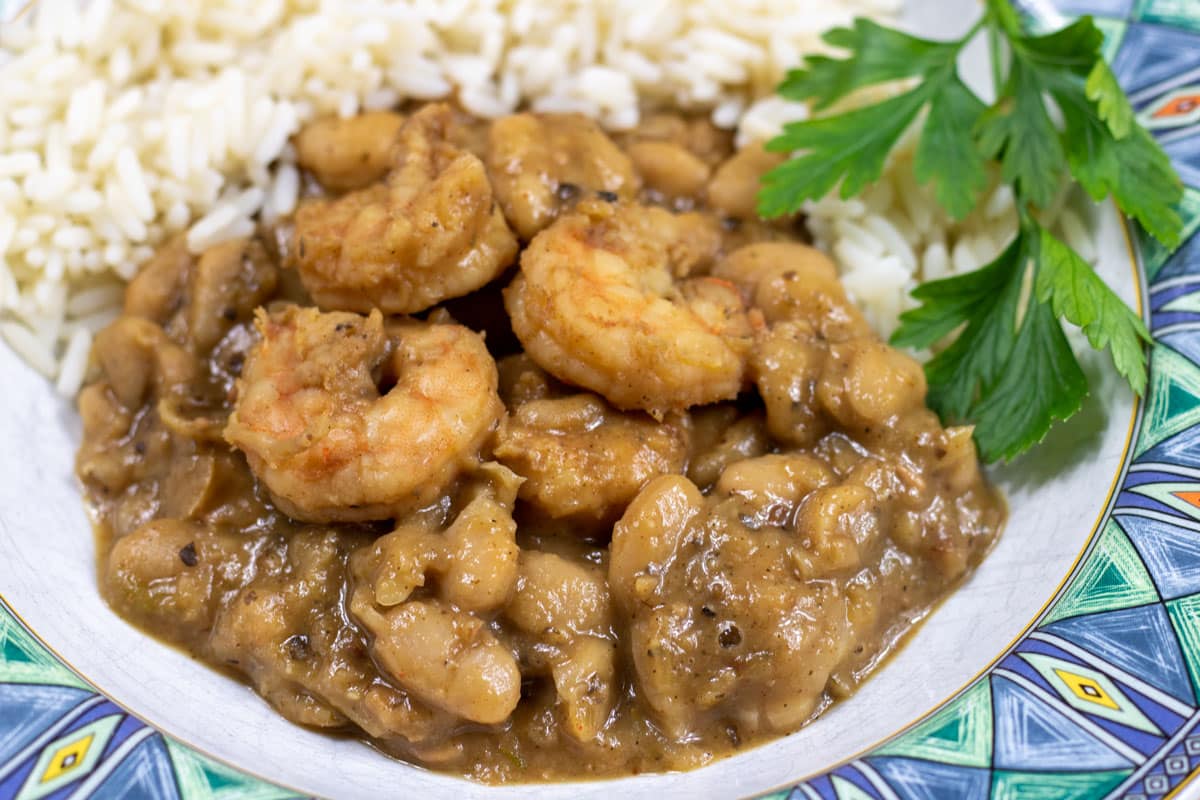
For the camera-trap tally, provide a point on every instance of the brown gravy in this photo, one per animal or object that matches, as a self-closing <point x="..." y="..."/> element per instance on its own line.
<point x="513" y="557"/>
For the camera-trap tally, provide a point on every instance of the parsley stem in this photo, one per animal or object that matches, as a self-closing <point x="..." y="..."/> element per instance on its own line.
<point x="969" y="35"/>
<point x="995" y="43"/>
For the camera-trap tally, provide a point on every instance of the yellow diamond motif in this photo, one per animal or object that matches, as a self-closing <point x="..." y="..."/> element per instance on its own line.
<point x="1087" y="689"/>
<point x="1090" y="691"/>
<point x="67" y="758"/>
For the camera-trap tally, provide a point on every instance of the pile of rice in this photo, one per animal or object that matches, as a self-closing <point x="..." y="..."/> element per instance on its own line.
<point x="123" y="122"/>
<point x="895" y="235"/>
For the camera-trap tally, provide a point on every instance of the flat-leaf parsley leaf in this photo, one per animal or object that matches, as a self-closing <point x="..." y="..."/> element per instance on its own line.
<point x="1059" y="109"/>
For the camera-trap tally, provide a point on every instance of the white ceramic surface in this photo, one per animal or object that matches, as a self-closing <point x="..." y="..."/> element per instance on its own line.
<point x="47" y="575"/>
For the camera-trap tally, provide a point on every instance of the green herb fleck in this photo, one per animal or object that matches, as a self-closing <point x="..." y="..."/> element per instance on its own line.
<point x="1008" y="367"/>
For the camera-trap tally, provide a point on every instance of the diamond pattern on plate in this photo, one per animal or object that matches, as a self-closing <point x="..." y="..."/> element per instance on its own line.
<point x="1171" y="553"/>
<point x="1185" y="618"/>
<point x="1138" y="640"/>
<point x="1122" y="641"/>
<point x="30" y="710"/>
<point x="68" y="758"/>
<point x="958" y="733"/>
<point x="1113" y="577"/>
<point x="1174" y="110"/>
<point x="1031" y="734"/>
<point x="1090" y="691"/>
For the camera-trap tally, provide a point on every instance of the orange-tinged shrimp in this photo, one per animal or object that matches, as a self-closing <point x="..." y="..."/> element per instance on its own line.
<point x="431" y="231"/>
<point x="615" y="299"/>
<point x="330" y="446"/>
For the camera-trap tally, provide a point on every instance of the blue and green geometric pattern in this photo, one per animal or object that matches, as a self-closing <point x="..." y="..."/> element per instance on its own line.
<point x="59" y="739"/>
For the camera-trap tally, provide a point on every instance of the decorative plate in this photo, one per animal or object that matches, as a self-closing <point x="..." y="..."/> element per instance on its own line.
<point x="1076" y="645"/>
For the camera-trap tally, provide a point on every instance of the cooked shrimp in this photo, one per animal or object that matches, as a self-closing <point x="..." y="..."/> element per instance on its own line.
<point x="745" y="638"/>
<point x="430" y="232"/>
<point x="563" y="612"/>
<point x="473" y="562"/>
<point x="582" y="460"/>
<point x="542" y="164"/>
<point x="604" y="301"/>
<point x="348" y="153"/>
<point x="790" y="281"/>
<point x="448" y="658"/>
<point x="315" y="429"/>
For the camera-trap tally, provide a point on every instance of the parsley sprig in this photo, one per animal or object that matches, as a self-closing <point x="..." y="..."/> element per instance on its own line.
<point x="1059" y="110"/>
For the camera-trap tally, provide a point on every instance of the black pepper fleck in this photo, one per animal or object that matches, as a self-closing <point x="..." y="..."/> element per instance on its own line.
<point x="139" y="448"/>
<point x="708" y="612"/>
<point x="298" y="647"/>
<point x="567" y="192"/>
<point x="341" y="327"/>
<point x="229" y="313"/>
<point x="187" y="554"/>
<point x="607" y="196"/>
<point x="729" y="636"/>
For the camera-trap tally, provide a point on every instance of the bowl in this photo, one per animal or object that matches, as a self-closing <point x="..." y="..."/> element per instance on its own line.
<point x="1067" y="666"/>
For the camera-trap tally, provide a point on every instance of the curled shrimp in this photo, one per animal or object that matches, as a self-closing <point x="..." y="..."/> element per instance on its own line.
<point x="606" y="300"/>
<point x="792" y="282"/>
<point x="431" y="231"/>
<point x="438" y="644"/>
<point x="317" y="430"/>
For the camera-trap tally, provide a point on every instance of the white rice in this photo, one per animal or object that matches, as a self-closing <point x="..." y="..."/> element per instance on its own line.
<point x="123" y="122"/>
<point x="896" y="235"/>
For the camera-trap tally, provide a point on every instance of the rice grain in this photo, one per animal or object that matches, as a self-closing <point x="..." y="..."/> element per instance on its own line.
<point x="125" y="122"/>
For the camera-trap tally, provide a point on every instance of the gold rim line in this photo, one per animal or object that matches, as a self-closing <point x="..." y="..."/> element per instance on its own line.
<point x="1105" y="512"/>
<point x="1174" y="794"/>
<point x="144" y="718"/>
<point x="1133" y="427"/>
<point x="1106" y="508"/>
<point x="23" y="10"/>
